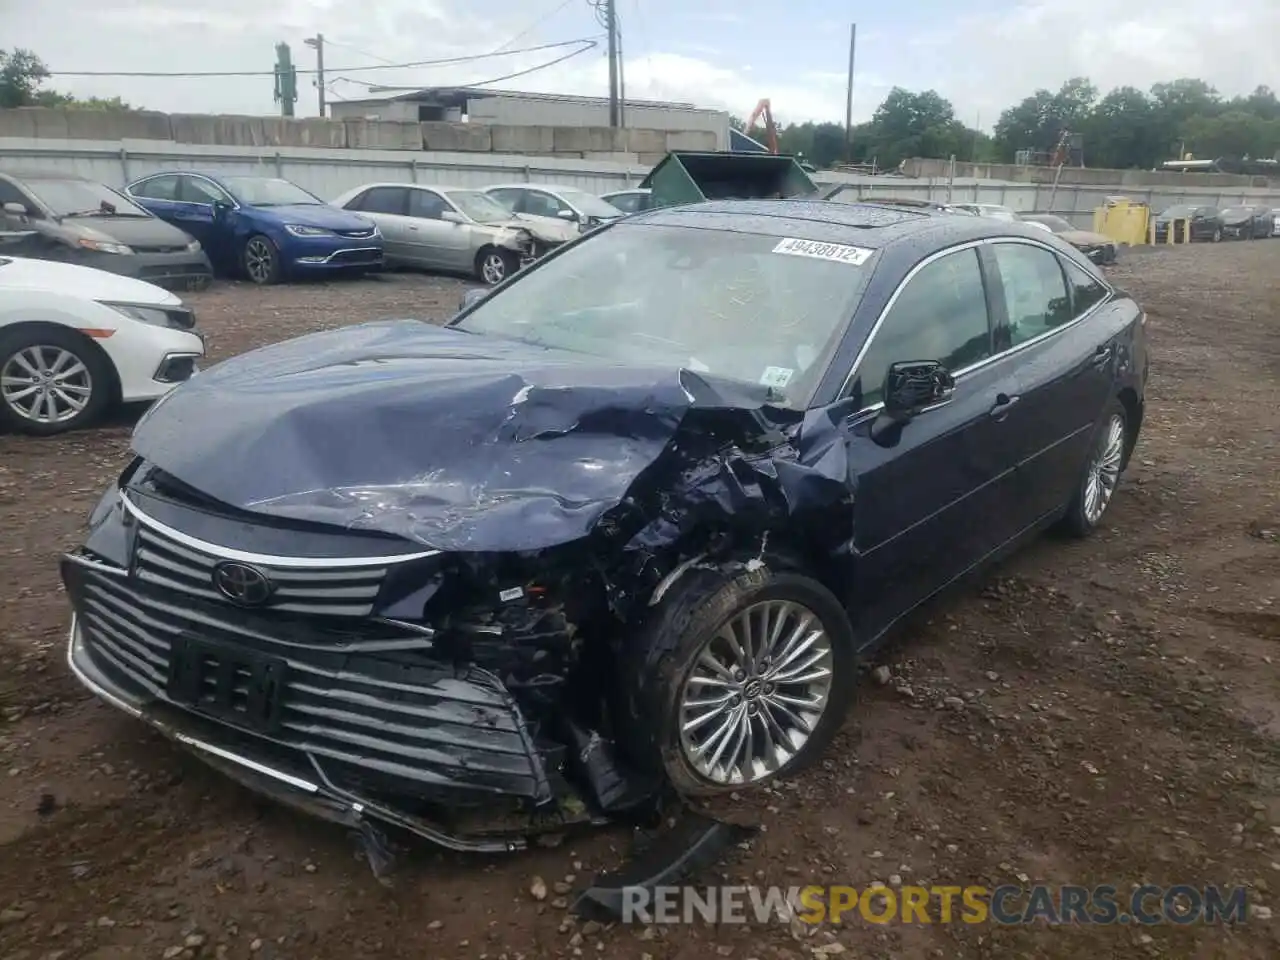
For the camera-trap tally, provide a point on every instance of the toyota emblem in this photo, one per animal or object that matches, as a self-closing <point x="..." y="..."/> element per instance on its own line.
<point x="242" y="584"/>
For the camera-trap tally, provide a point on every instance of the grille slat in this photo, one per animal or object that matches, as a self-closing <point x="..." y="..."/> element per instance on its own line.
<point x="341" y="592"/>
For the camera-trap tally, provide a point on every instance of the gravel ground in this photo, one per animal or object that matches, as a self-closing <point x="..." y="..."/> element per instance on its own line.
<point x="1097" y="712"/>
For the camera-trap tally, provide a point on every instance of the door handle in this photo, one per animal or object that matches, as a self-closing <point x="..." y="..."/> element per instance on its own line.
<point x="1004" y="403"/>
<point x="1102" y="355"/>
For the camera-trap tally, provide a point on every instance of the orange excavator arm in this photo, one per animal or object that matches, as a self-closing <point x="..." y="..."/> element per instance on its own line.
<point x="764" y="109"/>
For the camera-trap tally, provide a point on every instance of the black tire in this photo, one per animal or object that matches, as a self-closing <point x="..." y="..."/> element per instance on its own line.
<point x="1217" y="234"/>
<point x="260" y="260"/>
<point x="494" y="265"/>
<point x="682" y="626"/>
<point x="98" y="378"/>
<point x="1080" y="520"/>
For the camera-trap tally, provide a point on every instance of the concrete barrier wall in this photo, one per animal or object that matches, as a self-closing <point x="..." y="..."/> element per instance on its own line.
<point x="627" y="145"/>
<point x="330" y="171"/>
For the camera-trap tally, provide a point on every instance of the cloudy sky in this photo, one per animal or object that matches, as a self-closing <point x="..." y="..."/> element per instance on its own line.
<point x="981" y="54"/>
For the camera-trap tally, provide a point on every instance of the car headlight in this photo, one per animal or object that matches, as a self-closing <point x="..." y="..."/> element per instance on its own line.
<point x="156" y="316"/>
<point x="298" y="230"/>
<point x="104" y="246"/>
<point x="193" y="246"/>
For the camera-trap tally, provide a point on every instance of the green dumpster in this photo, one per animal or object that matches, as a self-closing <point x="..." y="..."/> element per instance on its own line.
<point x="691" y="177"/>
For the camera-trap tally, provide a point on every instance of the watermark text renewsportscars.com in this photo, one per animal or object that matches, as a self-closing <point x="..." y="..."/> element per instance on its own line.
<point x="1140" y="904"/>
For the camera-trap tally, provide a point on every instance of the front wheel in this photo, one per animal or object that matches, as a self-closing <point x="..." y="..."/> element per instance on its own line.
<point x="51" y="380"/>
<point x="261" y="260"/>
<point x="494" y="265"/>
<point x="1101" y="473"/>
<point x="749" y="678"/>
<point x="1217" y="234"/>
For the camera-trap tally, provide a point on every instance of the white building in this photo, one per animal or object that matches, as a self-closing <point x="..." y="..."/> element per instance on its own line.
<point x="515" y="108"/>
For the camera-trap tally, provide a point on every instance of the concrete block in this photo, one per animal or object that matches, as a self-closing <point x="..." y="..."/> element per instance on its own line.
<point x="646" y="141"/>
<point x="382" y="135"/>
<point x="530" y="141"/>
<point x="17" y="123"/>
<point x="193" y="127"/>
<point x="650" y="159"/>
<point x="588" y="140"/>
<point x="693" y="140"/>
<point x="456" y="137"/>
<point x="308" y="132"/>
<point x="51" y="123"/>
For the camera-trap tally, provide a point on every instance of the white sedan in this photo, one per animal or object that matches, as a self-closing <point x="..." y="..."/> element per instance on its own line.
<point x="75" y="341"/>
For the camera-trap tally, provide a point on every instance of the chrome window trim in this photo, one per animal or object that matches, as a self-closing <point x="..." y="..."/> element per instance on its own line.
<point x="963" y="371"/>
<point x="244" y="556"/>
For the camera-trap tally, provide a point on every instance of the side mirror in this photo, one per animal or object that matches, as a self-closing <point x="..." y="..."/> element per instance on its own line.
<point x="17" y="209"/>
<point x="567" y="215"/>
<point x="452" y="216"/>
<point x="471" y="297"/>
<point x="912" y="387"/>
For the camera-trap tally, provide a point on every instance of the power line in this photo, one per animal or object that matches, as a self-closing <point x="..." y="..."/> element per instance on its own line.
<point x="587" y="44"/>
<point x="481" y="83"/>
<point x="533" y="26"/>
<point x="363" y="53"/>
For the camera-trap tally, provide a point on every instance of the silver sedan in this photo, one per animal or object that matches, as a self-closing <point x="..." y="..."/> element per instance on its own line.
<point x="452" y="229"/>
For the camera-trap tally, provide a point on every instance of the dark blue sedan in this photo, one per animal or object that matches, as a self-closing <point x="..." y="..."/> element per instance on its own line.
<point x="264" y="228"/>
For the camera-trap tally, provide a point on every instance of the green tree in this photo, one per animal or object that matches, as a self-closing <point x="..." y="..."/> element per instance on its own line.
<point x="21" y="75"/>
<point x="1038" y="121"/>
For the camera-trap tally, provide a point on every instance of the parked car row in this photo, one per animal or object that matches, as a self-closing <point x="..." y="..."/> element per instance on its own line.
<point x="1207" y="223"/>
<point x="177" y="228"/>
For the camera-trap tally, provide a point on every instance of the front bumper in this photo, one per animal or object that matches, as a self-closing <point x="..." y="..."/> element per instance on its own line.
<point x="175" y="271"/>
<point x="300" y="714"/>
<point x="334" y="253"/>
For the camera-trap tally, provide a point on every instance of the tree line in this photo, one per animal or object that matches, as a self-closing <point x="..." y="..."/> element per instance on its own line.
<point x="22" y="74"/>
<point x="1126" y="128"/>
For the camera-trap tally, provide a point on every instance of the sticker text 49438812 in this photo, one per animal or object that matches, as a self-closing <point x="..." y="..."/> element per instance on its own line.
<point x="839" y="252"/>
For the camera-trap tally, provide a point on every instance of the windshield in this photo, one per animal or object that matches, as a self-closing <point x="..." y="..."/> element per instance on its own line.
<point x="1179" y="212"/>
<point x="267" y="191"/>
<point x="66" y="197"/>
<point x="480" y="207"/>
<point x="760" y="308"/>
<point x="592" y="206"/>
<point x="1056" y="224"/>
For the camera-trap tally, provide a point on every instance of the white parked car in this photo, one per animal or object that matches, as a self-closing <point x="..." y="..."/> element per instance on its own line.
<point x="75" y="341"/>
<point x="553" y="203"/>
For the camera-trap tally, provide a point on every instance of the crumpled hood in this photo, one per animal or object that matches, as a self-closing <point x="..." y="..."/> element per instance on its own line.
<point x="465" y="442"/>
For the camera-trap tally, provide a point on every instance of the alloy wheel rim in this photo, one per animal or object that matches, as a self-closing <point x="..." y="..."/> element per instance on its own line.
<point x="1104" y="470"/>
<point x="493" y="269"/>
<point x="258" y="261"/>
<point x="46" y="384"/>
<point x="756" y="692"/>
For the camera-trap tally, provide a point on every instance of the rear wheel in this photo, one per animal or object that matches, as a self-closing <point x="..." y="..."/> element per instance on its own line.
<point x="1101" y="473"/>
<point x="51" y="380"/>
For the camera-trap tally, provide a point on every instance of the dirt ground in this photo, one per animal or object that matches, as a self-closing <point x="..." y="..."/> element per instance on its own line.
<point x="1098" y="712"/>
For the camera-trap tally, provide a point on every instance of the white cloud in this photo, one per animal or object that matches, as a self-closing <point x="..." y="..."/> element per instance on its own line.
<point x="982" y="62"/>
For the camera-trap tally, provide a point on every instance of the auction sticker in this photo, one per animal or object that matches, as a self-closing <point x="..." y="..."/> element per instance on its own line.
<point x="839" y="252"/>
<point x="776" y="376"/>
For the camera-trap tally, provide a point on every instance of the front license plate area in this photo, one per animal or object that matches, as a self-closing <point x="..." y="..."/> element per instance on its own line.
<point x="229" y="683"/>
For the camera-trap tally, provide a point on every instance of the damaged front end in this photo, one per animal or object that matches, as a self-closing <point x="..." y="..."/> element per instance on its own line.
<point x="432" y="629"/>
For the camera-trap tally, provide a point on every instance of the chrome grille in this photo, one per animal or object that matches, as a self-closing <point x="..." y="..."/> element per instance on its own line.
<point x="405" y="717"/>
<point x="331" y="591"/>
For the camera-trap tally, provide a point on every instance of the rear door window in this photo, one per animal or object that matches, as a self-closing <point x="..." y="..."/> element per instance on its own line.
<point x="1035" y="293"/>
<point x="1086" y="291"/>
<point x="393" y="200"/>
<point x="157" y="188"/>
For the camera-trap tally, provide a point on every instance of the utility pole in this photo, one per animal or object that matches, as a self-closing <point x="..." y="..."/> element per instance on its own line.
<point x="611" y="25"/>
<point x="286" y="80"/>
<point x="317" y="44"/>
<point x="622" y="82"/>
<point x="848" y="104"/>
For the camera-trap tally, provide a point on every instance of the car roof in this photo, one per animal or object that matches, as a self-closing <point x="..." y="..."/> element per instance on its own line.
<point x="549" y="187"/>
<point x="864" y="224"/>
<point x="614" y="193"/>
